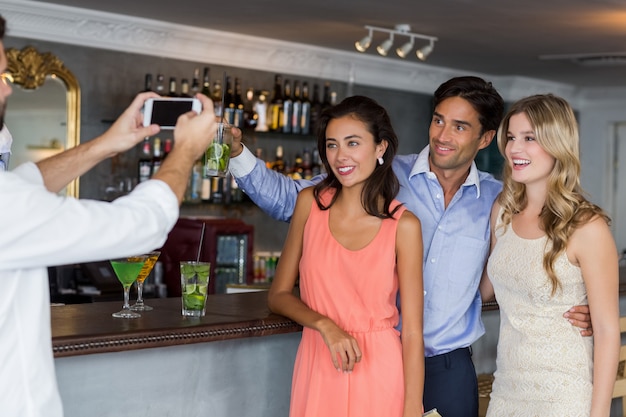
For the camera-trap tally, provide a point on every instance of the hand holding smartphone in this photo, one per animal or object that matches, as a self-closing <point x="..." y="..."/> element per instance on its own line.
<point x="165" y="111"/>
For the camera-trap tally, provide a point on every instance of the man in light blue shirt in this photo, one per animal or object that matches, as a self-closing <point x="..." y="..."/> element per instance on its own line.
<point x="453" y="200"/>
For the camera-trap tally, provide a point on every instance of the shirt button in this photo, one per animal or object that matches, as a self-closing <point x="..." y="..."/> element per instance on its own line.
<point x="432" y="260"/>
<point x="439" y="227"/>
<point x="438" y="196"/>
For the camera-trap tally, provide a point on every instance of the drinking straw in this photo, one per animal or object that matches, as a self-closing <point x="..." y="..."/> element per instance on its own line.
<point x="223" y="94"/>
<point x="200" y="246"/>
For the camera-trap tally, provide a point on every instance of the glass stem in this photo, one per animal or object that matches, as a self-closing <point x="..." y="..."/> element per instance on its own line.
<point x="140" y="293"/>
<point x="126" y="297"/>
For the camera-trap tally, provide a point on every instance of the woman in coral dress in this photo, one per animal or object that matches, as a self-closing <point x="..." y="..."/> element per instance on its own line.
<point x="354" y="247"/>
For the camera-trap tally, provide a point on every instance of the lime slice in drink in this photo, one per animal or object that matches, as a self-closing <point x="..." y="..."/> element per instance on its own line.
<point x="190" y="288"/>
<point x="202" y="289"/>
<point x="212" y="164"/>
<point x="194" y="301"/>
<point x="215" y="151"/>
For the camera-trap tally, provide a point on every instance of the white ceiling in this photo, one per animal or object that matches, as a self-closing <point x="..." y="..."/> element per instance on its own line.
<point x="492" y="37"/>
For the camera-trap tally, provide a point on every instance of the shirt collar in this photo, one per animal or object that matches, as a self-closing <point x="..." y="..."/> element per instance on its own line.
<point x="422" y="166"/>
<point x="5" y="140"/>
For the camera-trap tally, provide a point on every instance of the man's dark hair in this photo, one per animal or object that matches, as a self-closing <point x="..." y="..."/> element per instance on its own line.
<point x="480" y="94"/>
<point x="2" y="24"/>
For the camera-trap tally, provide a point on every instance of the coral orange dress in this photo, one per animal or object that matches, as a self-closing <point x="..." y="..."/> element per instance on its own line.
<point x="357" y="290"/>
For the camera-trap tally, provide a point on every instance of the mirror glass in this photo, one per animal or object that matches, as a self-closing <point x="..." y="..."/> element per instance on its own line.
<point x="43" y="112"/>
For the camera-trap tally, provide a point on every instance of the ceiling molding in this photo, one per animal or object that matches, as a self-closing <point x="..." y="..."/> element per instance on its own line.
<point x="84" y="27"/>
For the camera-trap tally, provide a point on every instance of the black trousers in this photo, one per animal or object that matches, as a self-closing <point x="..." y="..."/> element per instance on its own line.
<point x="450" y="384"/>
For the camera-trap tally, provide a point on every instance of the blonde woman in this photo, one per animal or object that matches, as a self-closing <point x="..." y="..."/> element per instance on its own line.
<point x="550" y="249"/>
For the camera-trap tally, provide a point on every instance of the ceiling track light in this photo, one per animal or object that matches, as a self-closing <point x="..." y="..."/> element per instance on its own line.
<point x="383" y="48"/>
<point x="364" y="43"/>
<point x="423" y="52"/>
<point x="403" y="51"/>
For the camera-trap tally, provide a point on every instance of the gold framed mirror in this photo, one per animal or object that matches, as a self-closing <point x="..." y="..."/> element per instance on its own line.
<point x="37" y="75"/>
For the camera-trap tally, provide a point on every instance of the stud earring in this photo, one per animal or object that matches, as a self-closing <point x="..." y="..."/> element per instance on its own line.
<point x="380" y="160"/>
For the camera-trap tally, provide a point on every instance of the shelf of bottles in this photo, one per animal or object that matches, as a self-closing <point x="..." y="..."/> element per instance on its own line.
<point x="278" y="127"/>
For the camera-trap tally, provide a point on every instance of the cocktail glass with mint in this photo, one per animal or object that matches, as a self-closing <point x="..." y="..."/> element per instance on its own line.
<point x="127" y="270"/>
<point x="194" y="281"/>
<point x="217" y="154"/>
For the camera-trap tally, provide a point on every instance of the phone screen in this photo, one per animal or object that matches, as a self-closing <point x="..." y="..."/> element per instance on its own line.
<point x="166" y="112"/>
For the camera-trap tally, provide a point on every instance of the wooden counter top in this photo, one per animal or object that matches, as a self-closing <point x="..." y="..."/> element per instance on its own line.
<point x="81" y="329"/>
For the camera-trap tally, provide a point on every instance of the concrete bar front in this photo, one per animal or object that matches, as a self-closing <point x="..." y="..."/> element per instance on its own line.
<point x="235" y="361"/>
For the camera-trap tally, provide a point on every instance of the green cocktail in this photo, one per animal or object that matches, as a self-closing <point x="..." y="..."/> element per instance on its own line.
<point x="127" y="270"/>
<point x="194" y="280"/>
<point x="217" y="154"/>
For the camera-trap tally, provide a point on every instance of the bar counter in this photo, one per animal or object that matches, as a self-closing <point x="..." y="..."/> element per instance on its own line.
<point x="81" y="329"/>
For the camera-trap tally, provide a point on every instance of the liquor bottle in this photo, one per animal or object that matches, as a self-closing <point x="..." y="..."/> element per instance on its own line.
<point x="316" y="108"/>
<point x="296" y="111"/>
<point x="206" y="85"/>
<point x="160" y="85"/>
<point x="216" y="96"/>
<point x="195" y="82"/>
<point x="305" y="112"/>
<point x="172" y="92"/>
<point x="307" y="164"/>
<point x="276" y="104"/>
<point x="317" y="166"/>
<point x="157" y="156"/>
<point x="147" y="84"/>
<point x="144" y="165"/>
<point x="184" y="88"/>
<point x="287" y="110"/>
<point x="167" y="147"/>
<point x="279" y="163"/>
<point x="326" y="100"/>
<point x="216" y="190"/>
<point x="262" y="111"/>
<point x="205" y="193"/>
<point x="235" y="192"/>
<point x="297" y="172"/>
<point x="229" y="102"/>
<point x="194" y="187"/>
<point x="250" y="116"/>
<point x="238" y="120"/>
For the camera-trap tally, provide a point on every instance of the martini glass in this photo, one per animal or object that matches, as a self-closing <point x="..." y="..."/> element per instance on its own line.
<point x="143" y="274"/>
<point x="127" y="270"/>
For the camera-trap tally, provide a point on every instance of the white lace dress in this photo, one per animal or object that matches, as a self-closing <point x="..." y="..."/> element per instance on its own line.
<point x="544" y="365"/>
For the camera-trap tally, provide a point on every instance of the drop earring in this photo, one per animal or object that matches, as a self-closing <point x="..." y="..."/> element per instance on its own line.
<point x="380" y="160"/>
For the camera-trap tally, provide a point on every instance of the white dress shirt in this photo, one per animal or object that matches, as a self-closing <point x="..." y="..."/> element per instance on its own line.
<point x="40" y="229"/>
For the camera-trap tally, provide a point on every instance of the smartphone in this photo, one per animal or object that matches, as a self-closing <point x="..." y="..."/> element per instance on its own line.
<point x="165" y="111"/>
<point x="432" y="413"/>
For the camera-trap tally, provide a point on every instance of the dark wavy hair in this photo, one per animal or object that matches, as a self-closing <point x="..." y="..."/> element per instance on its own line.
<point x="383" y="182"/>
<point x="480" y="94"/>
<point x="2" y="27"/>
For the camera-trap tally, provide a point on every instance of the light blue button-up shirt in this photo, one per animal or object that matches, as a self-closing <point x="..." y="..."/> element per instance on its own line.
<point x="456" y="238"/>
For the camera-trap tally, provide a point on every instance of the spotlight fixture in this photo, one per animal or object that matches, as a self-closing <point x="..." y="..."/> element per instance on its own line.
<point x="423" y="52"/>
<point x="384" y="47"/>
<point x="364" y="43"/>
<point x="404" y="50"/>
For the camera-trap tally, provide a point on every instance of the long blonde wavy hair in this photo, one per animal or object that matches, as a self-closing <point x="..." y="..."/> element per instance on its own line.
<point x="565" y="208"/>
